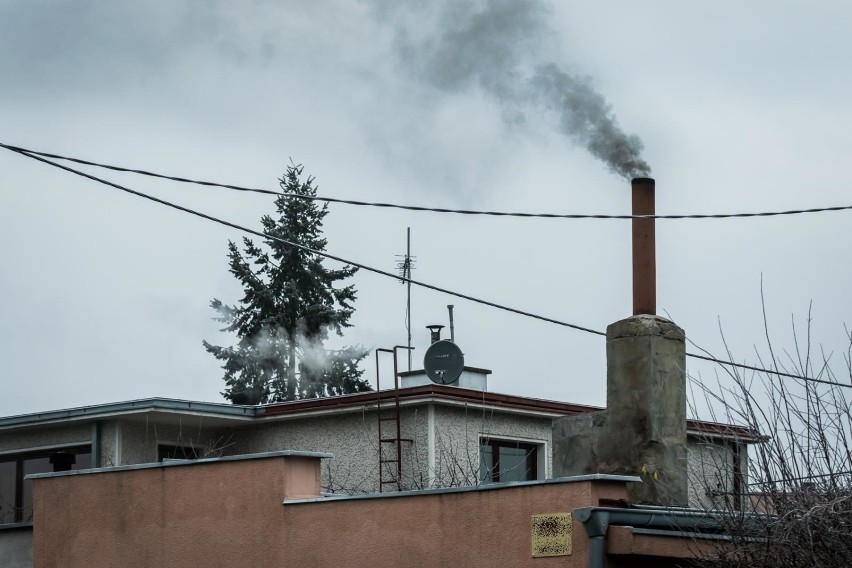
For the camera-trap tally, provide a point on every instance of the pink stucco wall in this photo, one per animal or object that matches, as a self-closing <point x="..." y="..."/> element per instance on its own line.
<point x="230" y="513"/>
<point x="224" y="513"/>
<point x="471" y="529"/>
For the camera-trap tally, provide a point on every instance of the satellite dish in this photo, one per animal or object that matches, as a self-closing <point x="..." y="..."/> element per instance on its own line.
<point x="444" y="362"/>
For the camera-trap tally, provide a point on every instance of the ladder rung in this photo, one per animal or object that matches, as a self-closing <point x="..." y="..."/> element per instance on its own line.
<point x="385" y="440"/>
<point x="390" y="481"/>
<point x="388" y="418"/>
<point x="389" y="461"/>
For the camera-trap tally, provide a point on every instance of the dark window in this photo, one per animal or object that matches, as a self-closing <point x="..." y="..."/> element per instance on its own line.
<point x="169" y="452"/>
<point x="738" y="482"/>
<point x="7" y="491"/>
<point x="16" y="493"/>
<point x="506" y="460"/>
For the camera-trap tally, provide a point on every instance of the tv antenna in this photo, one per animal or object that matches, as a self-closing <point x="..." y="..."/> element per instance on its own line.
<point x="405" y="264"/>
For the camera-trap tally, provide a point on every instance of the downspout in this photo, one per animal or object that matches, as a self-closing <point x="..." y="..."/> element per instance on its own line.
<point x="596" y="521"/>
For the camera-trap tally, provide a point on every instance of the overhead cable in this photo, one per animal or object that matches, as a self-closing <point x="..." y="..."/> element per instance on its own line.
<point x="307" y="249"/>
<point x="383" y="272"/>
<point x="831" y="474"/>
<point x="422" y="208"/>
<point x="767" y="371"/>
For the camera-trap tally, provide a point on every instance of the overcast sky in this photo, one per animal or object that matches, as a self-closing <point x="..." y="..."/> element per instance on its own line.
<point x="740" y="106"/>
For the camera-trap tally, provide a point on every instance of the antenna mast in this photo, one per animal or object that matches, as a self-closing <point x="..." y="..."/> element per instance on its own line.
<point x="405" y="264"/>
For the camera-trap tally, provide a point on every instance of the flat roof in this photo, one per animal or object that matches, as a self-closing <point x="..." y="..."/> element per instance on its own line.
<point x="434" y="392"/>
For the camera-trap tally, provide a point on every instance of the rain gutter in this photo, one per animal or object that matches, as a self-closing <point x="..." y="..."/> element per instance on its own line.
<point x="597" y="520"/>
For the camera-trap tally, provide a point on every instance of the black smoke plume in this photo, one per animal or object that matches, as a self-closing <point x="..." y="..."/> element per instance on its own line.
<point x="494" y="45"/>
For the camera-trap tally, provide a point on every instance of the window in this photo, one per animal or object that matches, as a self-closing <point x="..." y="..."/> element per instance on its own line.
<point x="174" y="452"/>
<point x="507" y="460"/>
<point x="16" y="497"/>
<point x="7" y="491"/>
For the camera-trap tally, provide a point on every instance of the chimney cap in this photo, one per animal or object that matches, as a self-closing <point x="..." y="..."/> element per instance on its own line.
<point x="435" y="332"/>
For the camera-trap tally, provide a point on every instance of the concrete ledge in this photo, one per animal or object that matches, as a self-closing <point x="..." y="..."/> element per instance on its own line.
<point x="470" y="488"/>
<point x="180" y="463"/>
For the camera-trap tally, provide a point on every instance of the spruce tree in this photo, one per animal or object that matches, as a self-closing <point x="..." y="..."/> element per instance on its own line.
<point x="289" y="307"/>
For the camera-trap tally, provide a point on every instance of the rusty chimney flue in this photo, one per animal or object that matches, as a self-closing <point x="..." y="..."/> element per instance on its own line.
<point x="644" y="249"/>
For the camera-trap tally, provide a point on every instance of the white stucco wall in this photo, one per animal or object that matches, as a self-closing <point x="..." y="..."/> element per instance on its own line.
<point x="441" y="447"/>
<point x="122" y="441"/>
<point x="710" y="472"/>
<point x="22" y="439"/>
<point x="138" y="439"/>
<point x="458" y="431"/>
<point x="352" y="438"/>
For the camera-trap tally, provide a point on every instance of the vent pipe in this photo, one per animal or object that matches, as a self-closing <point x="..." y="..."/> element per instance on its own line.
<point x="644" y="245"/>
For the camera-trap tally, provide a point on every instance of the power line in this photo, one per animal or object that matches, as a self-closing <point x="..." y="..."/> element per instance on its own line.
<point x="801" y="478"/>
<point x="385" y="273"/>
<point x="761" y="370"/>
<point x="306" y="249"/>
<point x="422" y="208"/>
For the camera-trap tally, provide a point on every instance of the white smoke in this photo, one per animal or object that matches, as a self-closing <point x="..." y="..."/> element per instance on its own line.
<point x="314" y="360"/>
<point x="272" y="344"/>
<point x="313" y="353"/>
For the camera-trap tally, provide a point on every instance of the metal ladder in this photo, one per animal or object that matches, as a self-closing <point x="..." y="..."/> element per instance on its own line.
<point x="388" y="415"/>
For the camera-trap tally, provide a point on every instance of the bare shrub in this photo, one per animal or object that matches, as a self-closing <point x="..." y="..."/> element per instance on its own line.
<point x="793" y="505"/>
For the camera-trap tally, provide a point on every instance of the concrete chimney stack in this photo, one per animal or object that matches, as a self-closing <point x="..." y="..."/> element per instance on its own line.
<point x="643" y="429"/>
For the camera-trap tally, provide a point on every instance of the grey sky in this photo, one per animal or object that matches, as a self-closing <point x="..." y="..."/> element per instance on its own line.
<point x="105" y="297"/>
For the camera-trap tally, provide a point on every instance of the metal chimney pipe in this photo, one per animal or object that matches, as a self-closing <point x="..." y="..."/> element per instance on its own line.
<point x="644" y="249"/>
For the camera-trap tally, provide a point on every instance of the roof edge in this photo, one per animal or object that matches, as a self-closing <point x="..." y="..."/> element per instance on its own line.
<point x="423" y="391"/>
<point x="130" y="407"/>
<point x="434" y="392"/>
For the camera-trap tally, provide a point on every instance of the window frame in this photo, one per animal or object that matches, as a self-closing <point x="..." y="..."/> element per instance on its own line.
<point x="19" y="457"/>
<point x="532" y="456"/>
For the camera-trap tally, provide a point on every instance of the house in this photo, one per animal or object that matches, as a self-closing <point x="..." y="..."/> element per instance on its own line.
<point x="454" y="472"/>
<point x="450" y="436"/>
